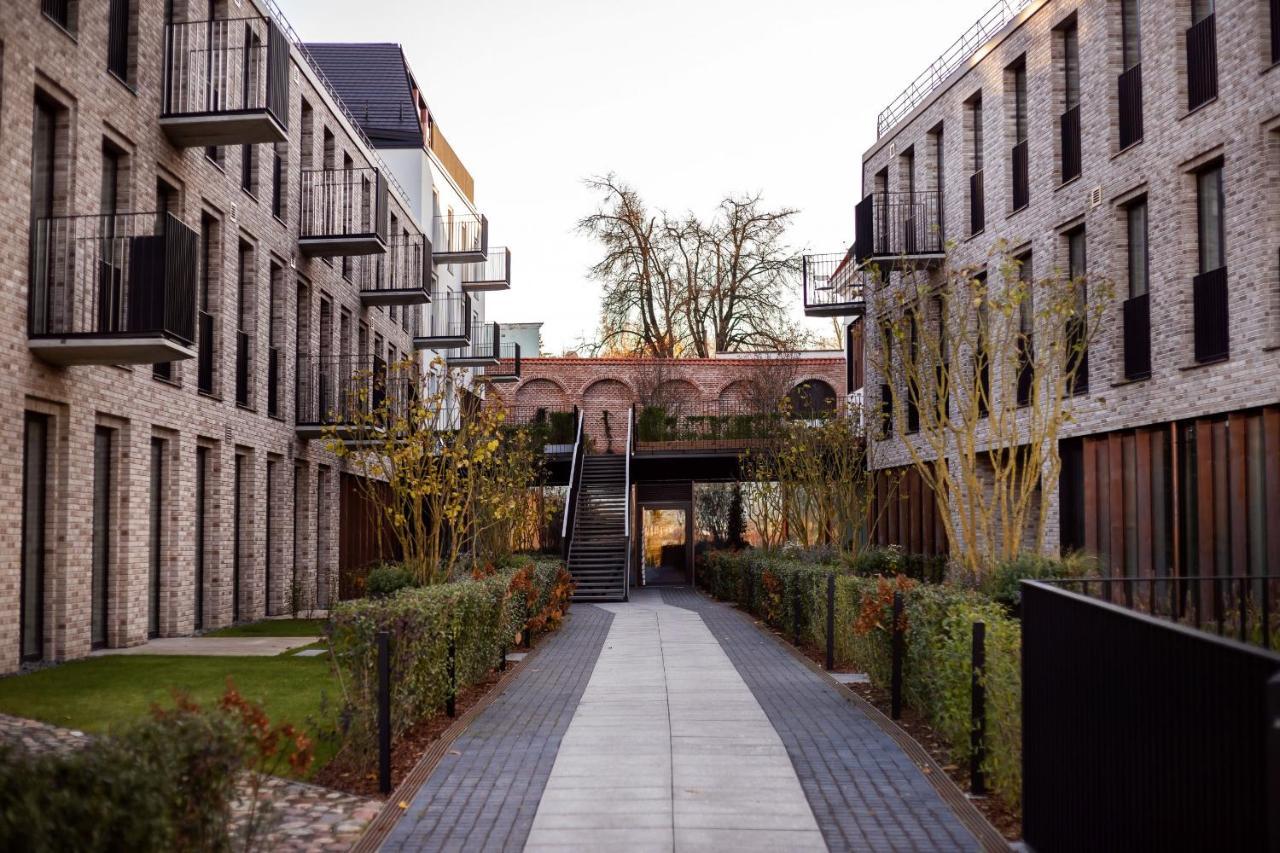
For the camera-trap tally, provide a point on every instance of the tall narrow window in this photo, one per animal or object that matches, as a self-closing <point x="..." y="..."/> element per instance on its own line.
<point x="1202" y="54"/>
<point x="119" y="38"/>
<point x="1137" y="308"/>
<point x="982" y="352"/>
<point x="322" y="540"/>
<point x="100" y="582"/>
<point x="1275" y="31"/>
<point x="1026" y="330"/>
<point x="61" y="12"/>
<point x="275" y="341"/>
<point x="111" y="280"/>
<point x="155" y="539"/>
<point x="1070" y="122"/>
<point x="249" y="169"/>
<point x="35" y="462"/>
<point x="1021" y="174"/>
<point x="237" y="535"/>
<point x="1210" y="286"/>
<point x="1077" y="326"/>
<point x="205" y="353"/>
<point x="939" y="184"/>
<point x="269" y="565"/>
<point x="1130" y="83"/>
<point x="167" y="204"/>
<point x="202" y="510"/>
<point x="279" y="169"/>
<point x="244" y="331"/>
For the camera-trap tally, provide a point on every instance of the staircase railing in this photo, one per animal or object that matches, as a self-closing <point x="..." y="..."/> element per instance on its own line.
<point x="626" y="508"/>
<point x="571" y="501"/>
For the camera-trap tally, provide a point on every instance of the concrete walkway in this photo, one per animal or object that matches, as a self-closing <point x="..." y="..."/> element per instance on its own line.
<point x="669" y="750"/>
<point x="214" y="646"/>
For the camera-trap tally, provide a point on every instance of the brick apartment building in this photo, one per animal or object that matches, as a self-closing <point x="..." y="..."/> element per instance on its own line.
<point x="1131" y="140"/>
<point x="204" y="252"/>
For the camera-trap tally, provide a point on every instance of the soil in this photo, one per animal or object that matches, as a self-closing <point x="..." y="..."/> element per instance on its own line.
<point x="409" y="748"/>
<point x="1006" y="820"/>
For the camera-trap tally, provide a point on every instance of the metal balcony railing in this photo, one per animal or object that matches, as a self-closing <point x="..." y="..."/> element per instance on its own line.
<point x="402" y="276"/>
<point x="352" y="391"/>
<point x="121" y="276"/>
<point x="1021" y="175"/>
<point x="1130" y="91"/>
<point x="899" y="226"/>
<point x="483" y="350"/>
<point x="460" y="238"/>
<point x="508" y="367"/>
<point x="344" y="212"/>
<point x="493" y="273"/>
<point x="1212" y="319"/>
<point x="699" y="426"/>
<point x="1202" y="62"/>
<point x="1137" y="337"/>
<point x="226" y="82"/>
<point x="448" y="324"/>
<point x="832" y="285"/>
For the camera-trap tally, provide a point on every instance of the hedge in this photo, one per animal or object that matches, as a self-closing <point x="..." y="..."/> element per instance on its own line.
<point x="482" y="617"/>
<point x="939" y="618"/>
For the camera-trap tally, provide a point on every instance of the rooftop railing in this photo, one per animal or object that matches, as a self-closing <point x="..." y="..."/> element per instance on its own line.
<point x="991" y="22"/>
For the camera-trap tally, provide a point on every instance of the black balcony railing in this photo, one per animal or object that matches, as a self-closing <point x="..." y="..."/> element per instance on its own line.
<point x="559" y="424"/>
<point x="278" y="165"/>
<point x="244" y="372"/>
<point x="508" y="367"/>
<point x="1202" y="62"/>
<point x="58" y="11"/>
<point x="832" y="285"/>
<point x="1124" y="702"/>
<point x="226" y="82"/>
<point x="1026" y="369"/>
<point x="204" y="353"/>
<point x="901" y="225"/>
<point x="977" y="204"/>
<point x="1137" y="337"/>
<point x="1275" y="31"/>
<point x="493" y="273"/>
<point x="448" y="322"/>
<point x="1211" y="318"/>
<point x="483" y="349"/>
<point x="1021" y="175"/>
<point x="114" y="275"/>
<point x="344" y="211"/>
<point x="700" y="426"/>
<point x="1130" y="85"/>
<point x="402" y="276"/>
<point x="460" y="238"/>
<point x="275" y="363"/>
<point x="1069" y="124"/>
<point x="353" y="391"/>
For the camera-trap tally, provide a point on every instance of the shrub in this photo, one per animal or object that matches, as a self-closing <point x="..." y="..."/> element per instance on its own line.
<point x="1003" y="583"/>
<point x="937" y="619"/>
<point x="480" y="616"/>
<point x="387" y="579"/>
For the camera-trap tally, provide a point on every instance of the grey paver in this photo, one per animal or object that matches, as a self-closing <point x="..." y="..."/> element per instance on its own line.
<point x="864" y="790"/>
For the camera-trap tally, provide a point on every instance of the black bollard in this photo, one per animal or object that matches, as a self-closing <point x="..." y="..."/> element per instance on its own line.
<point x="978" y="711"/>
<point x="384" y="712"/>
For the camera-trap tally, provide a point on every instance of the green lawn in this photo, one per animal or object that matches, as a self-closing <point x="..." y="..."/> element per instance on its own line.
<point x="274" y="628"/>
<point x="97" y="694"/>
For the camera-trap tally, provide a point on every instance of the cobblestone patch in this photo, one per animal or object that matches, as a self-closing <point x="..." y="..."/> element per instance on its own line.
<point x="485" y="791"/>
<point x="301" y="818"/>
<point x="865" y="792"/>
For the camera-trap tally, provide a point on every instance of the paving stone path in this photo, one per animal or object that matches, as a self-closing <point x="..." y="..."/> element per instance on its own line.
<point x="302" y="818"/>
<point x="485" y="791"/>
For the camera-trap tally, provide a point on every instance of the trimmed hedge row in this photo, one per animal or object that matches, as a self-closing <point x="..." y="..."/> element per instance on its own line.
<point x="481" y="617"/>
<point x="790" y="594"/>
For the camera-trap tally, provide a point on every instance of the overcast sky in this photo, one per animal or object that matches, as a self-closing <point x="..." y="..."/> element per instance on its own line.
<point x="684" y="99"/>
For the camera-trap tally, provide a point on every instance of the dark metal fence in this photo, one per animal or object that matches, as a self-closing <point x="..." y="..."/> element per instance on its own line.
<point x="1021" y="175"/>
<point x="1070" y="126"/>
<point x="704" y="426"/>
<point x="352" y="390"/>
<point x="977" y="204"/>
<point x="1142" y="734"/>
<point x="111" y="275"/>
<point x="343" y="203"/>
<point x="1202" y="62"/>
<point x="244" y="373"/>
<point x="404" y="268"/>
<point x="226" y="65"/>
<point x="1209" y="307"/>
<point x="1130" y="85"/>
<point x="897" y="224"/>
<point x="1137" y="337"/>
<point x="558" y="422"/>
<point x="465" y="235"/>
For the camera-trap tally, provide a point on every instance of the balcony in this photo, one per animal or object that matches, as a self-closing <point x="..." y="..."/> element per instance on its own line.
<point x="448" y="325"/>
<point x="1130" y="94"/>
<point x="1202" y="62"/>
<point x="461" y="239"/>
<point x="899" y="229"/>
<point x="344" y="212"/>
<point x="226" y="82"/>
<point x="832" y="285"/>
<point x="112" y="289"/>
<point x="493" y="273"/>
<point x="347" y="396"/>
<point x="507" y="369"/>
<point x="1212" y="318"/>
<point x="400" y="277"/>
<point x="484" y="350"/>
<point x="1069" y="126"/>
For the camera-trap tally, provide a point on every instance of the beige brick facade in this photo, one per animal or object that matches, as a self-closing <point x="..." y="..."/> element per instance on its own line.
<point x="290" y="530"/>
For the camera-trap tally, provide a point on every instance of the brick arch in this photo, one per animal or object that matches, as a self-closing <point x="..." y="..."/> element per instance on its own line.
<point x="545" y="393"/>
<point x="811" y="396"/>
<point x="739" y="392"/>
<point x="614" y="397"/>
<point x="673" y="392"/>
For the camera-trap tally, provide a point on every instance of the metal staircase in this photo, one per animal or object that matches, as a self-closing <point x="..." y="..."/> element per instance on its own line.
<point x="598" y="524"/>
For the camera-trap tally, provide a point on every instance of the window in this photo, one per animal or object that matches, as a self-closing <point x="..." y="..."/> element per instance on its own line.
<point x="167" y="204"/>
<point x="244" y="330"/>
<point x="1020" y="101"/>
<point x="1077" y="329"/>
<point x="202" y="485"/>
<point x="155" y="538"/>
<point x="1069" y="124"/>
<point x="35" y="464"/>
<point x="939" y="183"/>
<point x="205" y="352"/>
<point x="1139" y="264"/>
<point x="1210" y="218"/>
<point x="120" y="27"/>
<point x="1130" y="34"/>
<point x="1130" y="83"/>
<point x="61" y="12"/>
<point x="216" y="155"/>
<point x="249" y="169"/>
<point x="307" y="136"/>
<point x="1201" y="9"/>
<point x="1137" y="308"/>
<point x="47" y="153"/>
<point x="1020" y="155"/>
<point x="269" y="565"/>
<point x="237" y="533"/>
<point x="982" y="351"/>
<point x="1202" y="55"/>
<point x="1026" y="330"/>
<point x="100" y="581"/>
